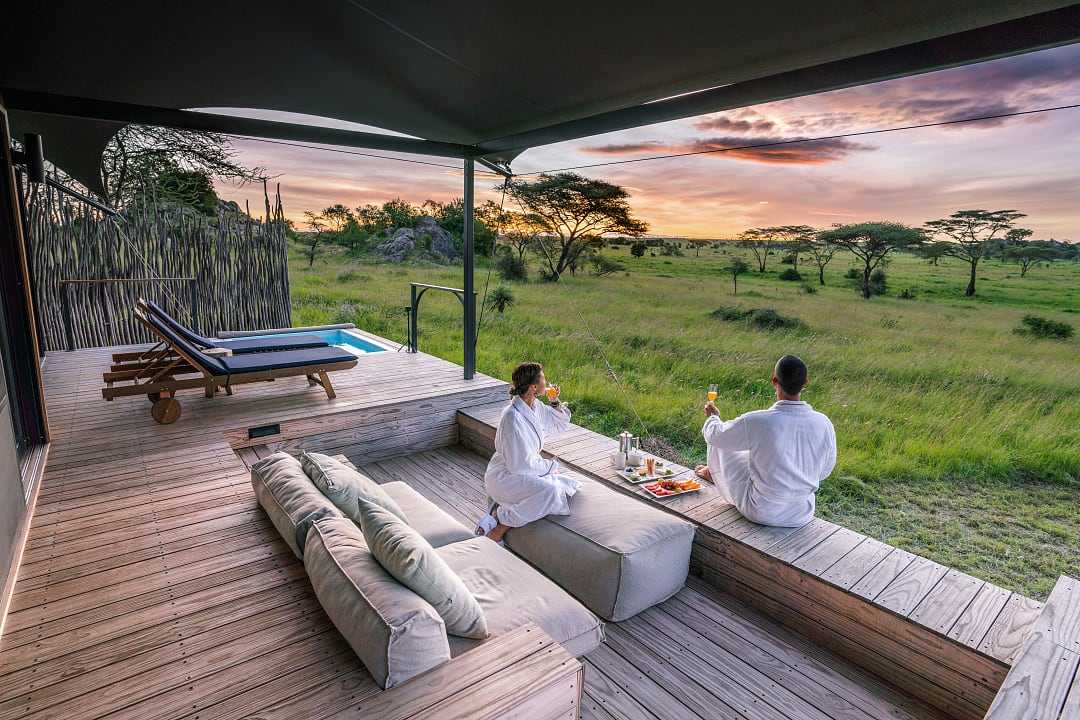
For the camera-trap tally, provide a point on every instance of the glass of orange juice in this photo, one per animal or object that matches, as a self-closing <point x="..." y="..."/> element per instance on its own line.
<point x="552" y="392"/>
<point x="712" y="393"/>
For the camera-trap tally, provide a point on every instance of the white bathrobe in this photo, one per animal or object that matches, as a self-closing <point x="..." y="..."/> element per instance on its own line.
<point x="769" y="463"/>
<point x="525" y="485"/>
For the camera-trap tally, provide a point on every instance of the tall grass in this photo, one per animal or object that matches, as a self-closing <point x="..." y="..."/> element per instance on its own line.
<point x="958" y="438"/>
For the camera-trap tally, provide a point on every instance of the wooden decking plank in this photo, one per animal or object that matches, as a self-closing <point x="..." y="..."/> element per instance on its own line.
<point x="1038" y="684"/>
<point x="882" y="574"/>
<point x="1011" y="627"/>
<point x="853" y="566"/>
<point x="1060" y="616"/>
<point x="316" y="701"/>
<point x="971" y="627"/>
<point x="803" y="540"/>
<point x="618" y="701"/>
<point x="946" y="603"/>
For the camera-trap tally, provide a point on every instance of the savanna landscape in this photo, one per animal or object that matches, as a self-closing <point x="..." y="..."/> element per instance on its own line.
<point x="958" y="430"/>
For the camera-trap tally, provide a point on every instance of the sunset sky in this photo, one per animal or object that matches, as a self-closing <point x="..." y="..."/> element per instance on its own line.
<point x="1031" y="164"/>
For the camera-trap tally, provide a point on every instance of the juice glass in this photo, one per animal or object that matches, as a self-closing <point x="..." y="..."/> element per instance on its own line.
<point x="712" y="393"/>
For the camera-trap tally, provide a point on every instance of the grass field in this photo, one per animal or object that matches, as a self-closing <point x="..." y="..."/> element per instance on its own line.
<point x="958" y="438"/>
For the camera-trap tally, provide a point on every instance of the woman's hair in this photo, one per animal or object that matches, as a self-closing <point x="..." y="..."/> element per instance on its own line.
<point x="525" y="375"/>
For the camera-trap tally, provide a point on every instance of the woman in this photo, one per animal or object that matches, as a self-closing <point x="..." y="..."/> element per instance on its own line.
<point x="522" y="485"/>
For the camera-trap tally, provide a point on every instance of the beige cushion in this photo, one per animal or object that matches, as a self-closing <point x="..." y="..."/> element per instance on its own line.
<point x="289" y="498"/>
<point x="411" y="559"/>
<point x="394" y="632"/>
<point x="616" y="554"/>
<point x="513" y="594"/>
<point x="425" y="517"/>
<point x="344" y="485"/>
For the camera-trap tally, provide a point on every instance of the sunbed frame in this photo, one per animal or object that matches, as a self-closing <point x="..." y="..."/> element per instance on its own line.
<point x="160" y="372"/>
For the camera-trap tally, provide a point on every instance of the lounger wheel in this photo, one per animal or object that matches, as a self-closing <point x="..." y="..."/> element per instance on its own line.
<point x="166" y="410"/>
<point x="153" y="397"/>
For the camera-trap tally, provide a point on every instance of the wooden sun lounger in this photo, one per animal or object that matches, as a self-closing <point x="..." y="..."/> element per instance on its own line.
<point x="174" y="364"/>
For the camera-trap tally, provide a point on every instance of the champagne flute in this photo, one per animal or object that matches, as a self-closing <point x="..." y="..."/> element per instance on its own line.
<point x="712" y="393"/>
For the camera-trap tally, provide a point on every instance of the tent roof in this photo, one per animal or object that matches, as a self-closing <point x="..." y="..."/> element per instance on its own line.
<point x="489" y="78"/>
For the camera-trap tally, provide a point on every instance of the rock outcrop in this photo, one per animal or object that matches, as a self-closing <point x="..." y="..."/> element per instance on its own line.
<point x="427" y="239"/>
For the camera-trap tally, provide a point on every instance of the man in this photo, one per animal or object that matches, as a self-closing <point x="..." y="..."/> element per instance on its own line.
<point x="769" y="463"/>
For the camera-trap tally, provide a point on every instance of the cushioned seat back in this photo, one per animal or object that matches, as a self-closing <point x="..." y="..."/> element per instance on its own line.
<point x="394" y="632"/>
<point x="425" y="517"/>
<point x="289" y="498"/>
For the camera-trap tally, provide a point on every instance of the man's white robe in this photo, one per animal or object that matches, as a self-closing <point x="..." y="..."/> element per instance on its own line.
<point x="769" y="463"/>
<point x="525" y="485"/>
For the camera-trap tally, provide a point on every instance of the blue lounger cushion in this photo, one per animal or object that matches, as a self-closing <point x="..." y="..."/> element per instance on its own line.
<point x="256" y="344"/>
<point x="239" y="346"/>
<point x="251" y="362"/>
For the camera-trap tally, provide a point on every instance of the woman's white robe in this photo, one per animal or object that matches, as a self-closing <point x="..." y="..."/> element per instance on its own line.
<point x="525" y="485"/>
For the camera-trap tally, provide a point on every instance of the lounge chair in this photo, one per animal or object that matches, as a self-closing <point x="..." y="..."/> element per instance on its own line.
<point x="236" y="346"/>
<point x="181" y="365"/>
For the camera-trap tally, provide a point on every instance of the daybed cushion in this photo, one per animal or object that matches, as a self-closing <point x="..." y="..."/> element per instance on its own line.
<point x="410" y="558"/>
<point x="616" y="554"/>
<point x="279" y="360"/>
<point x="289" y="498"/>
<point x="513" y="594"/>
<point x="394" y="632"/>
<point x="345" y="485"/>
<point x="425" y="517"/>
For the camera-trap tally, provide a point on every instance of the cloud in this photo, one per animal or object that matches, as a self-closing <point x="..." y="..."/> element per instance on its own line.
<point x="792" y="152"/>
<point x="727" y="124"/>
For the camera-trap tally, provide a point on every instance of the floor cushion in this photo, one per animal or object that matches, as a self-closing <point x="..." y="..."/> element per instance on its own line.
<point x="289" y="498"/>
<point x="512" y="594"/>
<point x="344" y="485"/>
<point x="394" y="632"/>
<point x="406" y="555"/>
<point x="616" y="554"/>
<point x="425" y="517"/>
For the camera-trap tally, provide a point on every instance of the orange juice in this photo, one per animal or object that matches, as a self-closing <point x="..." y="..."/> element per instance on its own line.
<point x="552" y="393"/>
<point x="711" y="395"/>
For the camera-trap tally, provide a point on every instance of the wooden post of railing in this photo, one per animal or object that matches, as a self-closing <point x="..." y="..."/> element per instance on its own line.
<point x="65" y="308"/>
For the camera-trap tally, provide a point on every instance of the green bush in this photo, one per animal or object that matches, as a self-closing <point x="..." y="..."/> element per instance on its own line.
<point x="907" y="294"/>
<point x="808" y="289"/>
<point x="790" y="274"/>
<point x="759" y="318"/>
<point x="1044" y="328"/>
<point x="852" y="274"/>
<point x="502" y="298"/>
<point x="511" y="268"/>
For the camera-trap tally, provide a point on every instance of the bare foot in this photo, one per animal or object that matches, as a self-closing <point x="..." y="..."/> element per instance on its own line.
<point x="702" y="471"/>
<point x="498" y="532"/>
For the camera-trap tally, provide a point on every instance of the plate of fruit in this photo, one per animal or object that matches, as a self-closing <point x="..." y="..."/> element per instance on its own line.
<point x="671" y="488"/>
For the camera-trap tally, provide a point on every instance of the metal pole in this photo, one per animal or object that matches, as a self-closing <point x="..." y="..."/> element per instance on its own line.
<point x="413" y="333"/>
<point x="470" y="293"/>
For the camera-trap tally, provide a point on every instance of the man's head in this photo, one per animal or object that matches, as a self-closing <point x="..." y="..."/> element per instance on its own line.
<point x="789" y="377"/>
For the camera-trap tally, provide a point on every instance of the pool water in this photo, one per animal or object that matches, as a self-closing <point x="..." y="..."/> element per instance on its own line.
<point x="345" y="339"/>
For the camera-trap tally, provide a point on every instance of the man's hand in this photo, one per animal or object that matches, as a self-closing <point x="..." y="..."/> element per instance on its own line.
<point x="710" y="409"/>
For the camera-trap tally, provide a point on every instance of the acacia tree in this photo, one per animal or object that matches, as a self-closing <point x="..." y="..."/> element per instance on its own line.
<point x="576" y="211"/>
<point x="793" y="238"/>
<point x="735" y="268"/>
<point x="316" y="222"/>
<point x="969" y="234"/>
<point x="520" y="231"/>
<point x="697" y="245"/>
<point x="1026" y="254"/>
<point x="138" y="154"/>
<point x="872" y="242"/>
<point x="761" y="243"/>
<point x="822" y="251"/>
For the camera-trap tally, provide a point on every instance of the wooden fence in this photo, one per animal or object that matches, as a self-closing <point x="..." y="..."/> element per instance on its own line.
<point x="228" y="272"/>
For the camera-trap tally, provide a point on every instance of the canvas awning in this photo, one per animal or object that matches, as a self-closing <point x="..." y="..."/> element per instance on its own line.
<point x="472" y="77"/>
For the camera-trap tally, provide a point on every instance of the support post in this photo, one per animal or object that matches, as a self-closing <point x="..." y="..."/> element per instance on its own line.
<point x="470" y="294"/>
<point x="413" y="312"/>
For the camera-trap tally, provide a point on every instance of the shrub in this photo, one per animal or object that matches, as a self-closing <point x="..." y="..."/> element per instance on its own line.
<point x="604" y="265"/>
<point x="877" y="282"/>
<point x="790" y="274"/>
<point x="788" y="259"/>
<point x="1044" y="328"/>
<point x="852" y="274"/>
<point x="907" y="294"/>
<point x="511" y="268"/>
<point x="809" y="289"/>
<point x="347" y="276"/>
<point x="638" y="249"/>
<point x="759" y="318"/>
<point x="502" y="298"/>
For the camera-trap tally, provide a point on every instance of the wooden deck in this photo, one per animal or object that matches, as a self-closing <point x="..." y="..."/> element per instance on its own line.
<point x="153" y="586"/>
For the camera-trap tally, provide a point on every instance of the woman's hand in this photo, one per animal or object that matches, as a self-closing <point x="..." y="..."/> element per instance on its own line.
<point x="710" y="409"/>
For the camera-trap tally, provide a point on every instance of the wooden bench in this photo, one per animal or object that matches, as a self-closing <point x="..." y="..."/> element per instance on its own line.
<point x="945" y="636"/>
<point x="1043" y="683"/>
